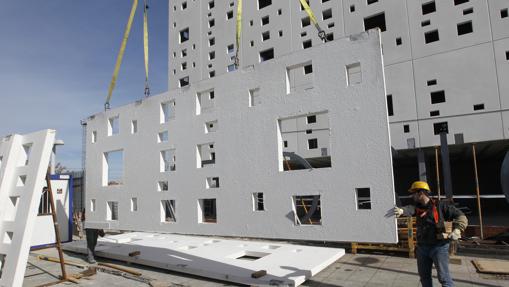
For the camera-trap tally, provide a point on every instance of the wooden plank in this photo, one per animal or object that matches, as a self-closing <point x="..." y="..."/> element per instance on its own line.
<point x="492" y="266"/>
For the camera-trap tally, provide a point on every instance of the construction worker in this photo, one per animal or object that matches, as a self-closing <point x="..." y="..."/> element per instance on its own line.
<point x="432" y="241"/>
<point x="91" y="235"/>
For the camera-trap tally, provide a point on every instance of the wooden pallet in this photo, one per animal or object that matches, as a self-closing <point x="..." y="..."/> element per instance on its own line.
<point x="406" y="235"/>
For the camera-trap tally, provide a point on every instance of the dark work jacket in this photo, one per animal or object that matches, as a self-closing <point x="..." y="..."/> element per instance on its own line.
<point x="427" y="229"/>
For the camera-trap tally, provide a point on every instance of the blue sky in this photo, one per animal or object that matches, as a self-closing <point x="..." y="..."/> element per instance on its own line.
<point x="57" y="59"/>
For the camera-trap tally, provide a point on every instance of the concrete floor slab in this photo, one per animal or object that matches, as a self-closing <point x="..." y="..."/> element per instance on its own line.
<point x="218" y="258"/>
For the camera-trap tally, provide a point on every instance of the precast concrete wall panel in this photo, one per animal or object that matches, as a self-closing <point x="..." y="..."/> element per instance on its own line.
<point x="467" y="77"/>
<point x="474" y="128"/>
<point x="24" y="160"/>
<point x="248" y="157"/>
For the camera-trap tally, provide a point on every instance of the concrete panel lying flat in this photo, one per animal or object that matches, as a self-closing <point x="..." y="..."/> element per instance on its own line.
<point x="24" y="160"/>
<point x="219" y="258"/>
<point x="295" y="147"/>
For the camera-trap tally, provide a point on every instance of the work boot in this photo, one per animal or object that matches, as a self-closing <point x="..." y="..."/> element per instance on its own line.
<point x="91" y="260"/>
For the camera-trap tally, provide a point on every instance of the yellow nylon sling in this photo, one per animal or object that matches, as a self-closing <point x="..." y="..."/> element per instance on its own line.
<point x="145" y="46"/>
<point x="239" y="31"/>
<point x="321" y="33"/>
<point x="121" y="54"/>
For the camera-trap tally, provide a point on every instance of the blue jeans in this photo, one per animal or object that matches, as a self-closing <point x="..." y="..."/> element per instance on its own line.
<point x="427" y="255"/>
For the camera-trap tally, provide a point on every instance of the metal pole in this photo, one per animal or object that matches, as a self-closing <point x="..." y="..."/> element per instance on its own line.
<point x="477" y="191"/>
<point x="437" y="171"/>
<point x="446" y="164"/>
<point x="421" y="161"/>
<point x="55" y="224"/>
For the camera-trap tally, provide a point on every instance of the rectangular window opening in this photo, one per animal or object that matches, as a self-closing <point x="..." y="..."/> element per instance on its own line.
<point x="2" y="263"/>
<point x="162" y="185"/>
<point x="354" y="74"/>
<point x="504" y="13"/>
<point x="212" y="182"/>
<point x="406" y="129"/>
<point x="134" y="204"/>
<point x="265" y="20"/>
<point x="229" y="15"/>
<point x="478" y="107"/>
<point x="184" y="82"/>
<point x="265" y="36"/>
<point x="113" y="126"/>
<point x="458" y="2"/>
<point x="428" y="8"/>
<point x="468" y="11"/>
<point x="207" y="211"/>
<point x="264" y="3"/>
<point x="167" y="111"/>
<point x="307" y="44"/>
<point x="327" y="14"/>
<point x="307" y="210"/>
<point x="375" y="21"/>
<point x="134" y="126"/>
<point x="399" y="41"/>
<point x="206" y="155"/>
<point x="168" y="213"/>
<point x="211" y="127"/>
<point x="304" y="142"/>
<point x="465" y="28"/>
<point x="254" y="97"/>
<point x="438" y="97"/>
<point x="432" y="82"/>
<point x="113" y="168"/>
<point x="258" y="201"/>
<point x="371" y="1"/>
<point x="112" y="211"/>
<point x="94" y="136"/>
<point x="168" y="160"/>
<point x="162" y="137"/>
<point x="305" y="22"/>
<point x="390" y="109"/>
<point x="434" y="113"/>
<point x="205" y="101"/>
<point x="92" y="205"/>
<point x="266" y="55"/>
<point x="184" y="35"/>
<point x="431" y="36"/>
<point x="440" y="127"/>
<point x="363" y="196"/>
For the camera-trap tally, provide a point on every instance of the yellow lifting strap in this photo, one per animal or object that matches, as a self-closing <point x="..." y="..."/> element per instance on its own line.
<point x="121" y="54"/>
<point x="239" y="31"/>
<point x="145" y="46"/>
<point x="321" y="33"/>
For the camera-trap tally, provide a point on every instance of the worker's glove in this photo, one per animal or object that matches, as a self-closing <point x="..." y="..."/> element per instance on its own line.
<point x="397" y="211"/>
<point x="455" y="234"/>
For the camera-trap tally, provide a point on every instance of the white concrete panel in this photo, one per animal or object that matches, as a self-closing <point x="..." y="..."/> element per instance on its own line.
<point x="25" y="159"/>
<point x="396" y="22"/>
<point x="445" y="20"/>
<point x="501" y="48"/>
<point x="499" y="23"/>
<point x="467" y="77"/>
<point x="475" y="128"/>
<point x="219" y="258"/>
<point x="248" y="152"/>
<point x="399" y="79"/>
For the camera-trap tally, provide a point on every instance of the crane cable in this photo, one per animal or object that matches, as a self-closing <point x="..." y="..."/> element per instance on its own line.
<point x="121" y="54"/>
<point x="321" y="33"/>
<point x="238" y="33"/>
<point x="145" y="45"/>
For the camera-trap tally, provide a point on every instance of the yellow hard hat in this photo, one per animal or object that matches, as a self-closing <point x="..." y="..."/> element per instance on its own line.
<point x="419" y="185"/>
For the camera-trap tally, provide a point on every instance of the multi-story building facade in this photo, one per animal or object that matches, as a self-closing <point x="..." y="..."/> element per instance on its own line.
<point x="446" y="63"/>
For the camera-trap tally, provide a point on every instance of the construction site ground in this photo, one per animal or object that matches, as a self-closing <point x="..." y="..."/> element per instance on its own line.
<point x="365" y="269"/>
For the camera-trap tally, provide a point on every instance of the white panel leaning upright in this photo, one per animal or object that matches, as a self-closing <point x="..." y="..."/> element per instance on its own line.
<point x="296" y="147"/>
<point x="24" y="161"/>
